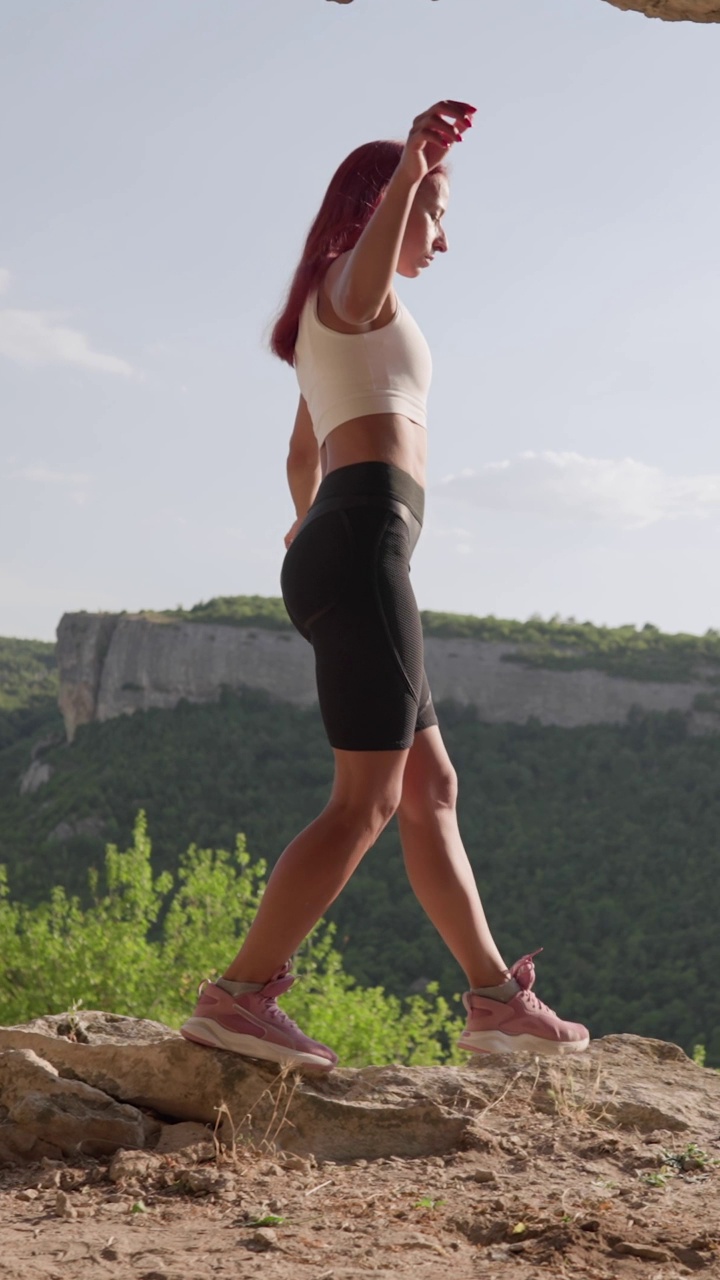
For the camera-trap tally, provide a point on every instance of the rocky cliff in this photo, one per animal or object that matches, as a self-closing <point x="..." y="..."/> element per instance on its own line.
<point x="670" y="10"/>
<point x="673" y="10"/>
<point x="112" y="665"/>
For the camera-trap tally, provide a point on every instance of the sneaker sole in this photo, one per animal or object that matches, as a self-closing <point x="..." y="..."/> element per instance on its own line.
<point x="213" y="1036"/>
<point x="497" y="1042"/>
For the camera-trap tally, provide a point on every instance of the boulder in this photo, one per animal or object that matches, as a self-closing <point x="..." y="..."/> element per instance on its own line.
<point x="101" y="1089"/>
<point x="45" y="1113"/>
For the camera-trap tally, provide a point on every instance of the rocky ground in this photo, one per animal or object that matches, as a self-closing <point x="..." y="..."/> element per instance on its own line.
<point x="606" y="1166"/>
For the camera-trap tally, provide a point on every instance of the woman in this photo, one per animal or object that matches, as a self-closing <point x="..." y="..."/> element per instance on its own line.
<point x="356" y="470"/>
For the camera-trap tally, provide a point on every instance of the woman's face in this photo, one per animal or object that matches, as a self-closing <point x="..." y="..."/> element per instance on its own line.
<point x="424" y="234"/>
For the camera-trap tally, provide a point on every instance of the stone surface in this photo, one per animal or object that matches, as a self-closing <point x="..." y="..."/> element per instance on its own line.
<point x="40" y="1106"/>
<point x="670" y="10"/>
<point x="188" y="1136"/>
<point x="84" y="641"/>
<point x="545" y="1183"/>
<point x="110" y="666"/>
<point x="149" y="1066"/>
<point x="38" y="773"/>
<point x="673" y="10"/>
<point x="73" y="1093"/>
<point x="91" y="825"/>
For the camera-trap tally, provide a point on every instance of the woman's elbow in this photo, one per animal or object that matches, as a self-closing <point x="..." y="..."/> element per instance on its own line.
<point x="302" y="458"/>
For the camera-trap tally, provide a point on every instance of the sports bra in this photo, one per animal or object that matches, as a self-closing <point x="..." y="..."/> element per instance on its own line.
<point x="348" y="375"/>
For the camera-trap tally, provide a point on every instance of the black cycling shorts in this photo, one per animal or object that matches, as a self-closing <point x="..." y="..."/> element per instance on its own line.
<point x="346" y="586"/>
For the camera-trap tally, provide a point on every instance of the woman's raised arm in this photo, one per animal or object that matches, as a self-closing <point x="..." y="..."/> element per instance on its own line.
<point x="359" y="290"/>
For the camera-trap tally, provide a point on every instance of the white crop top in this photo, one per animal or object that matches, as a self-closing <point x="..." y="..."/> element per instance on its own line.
<point x="347" y="375"/>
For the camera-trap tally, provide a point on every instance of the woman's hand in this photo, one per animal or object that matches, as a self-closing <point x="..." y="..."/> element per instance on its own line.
<point x="292" y="531"/>
<point x="432" y="136"/>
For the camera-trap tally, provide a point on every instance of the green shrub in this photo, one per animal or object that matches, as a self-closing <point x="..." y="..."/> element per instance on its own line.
<point x="142" y="945"/>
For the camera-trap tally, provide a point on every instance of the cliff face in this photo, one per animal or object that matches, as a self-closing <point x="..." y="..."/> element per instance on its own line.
<point x="83" y="641"/>
<point x="112" y="665"/>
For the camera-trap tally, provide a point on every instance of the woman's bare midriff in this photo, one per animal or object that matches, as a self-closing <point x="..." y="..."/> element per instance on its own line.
<point x="378" y="437"/>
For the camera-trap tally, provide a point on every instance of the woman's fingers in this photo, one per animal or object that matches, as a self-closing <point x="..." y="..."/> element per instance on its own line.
<point x="434" y="121"/>
<point x="434" y="131"/>
<point x="455" y="110"/>
<point x="437" y="139"/>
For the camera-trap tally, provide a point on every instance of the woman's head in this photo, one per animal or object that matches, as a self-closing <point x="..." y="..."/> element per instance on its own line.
<point x="424" y="233"/>
<point x="354" y="193"/>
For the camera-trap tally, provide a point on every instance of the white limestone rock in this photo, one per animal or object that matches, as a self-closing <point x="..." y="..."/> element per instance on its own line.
<point x="114" y="1067"/>
<point x="40" y="1105"/>
<point x="148" y="663"/>
<point x="35" y="776"/>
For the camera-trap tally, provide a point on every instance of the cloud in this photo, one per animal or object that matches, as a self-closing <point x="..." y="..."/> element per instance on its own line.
<point x="37" y="338"/>
<point x="570" y="487"/>
<point x="74" y="483"/>
<point x="4" y="279"/>
<point x="44" y="475"/>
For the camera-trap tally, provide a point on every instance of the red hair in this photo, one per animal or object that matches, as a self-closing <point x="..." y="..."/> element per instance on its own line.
<point x="354" y="193"/>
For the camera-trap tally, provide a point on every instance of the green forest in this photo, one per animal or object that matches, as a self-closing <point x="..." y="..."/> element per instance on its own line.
<point x="600" y="844"/>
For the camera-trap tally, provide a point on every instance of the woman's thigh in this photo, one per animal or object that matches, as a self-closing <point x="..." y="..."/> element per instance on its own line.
<point x="346" y="585"/>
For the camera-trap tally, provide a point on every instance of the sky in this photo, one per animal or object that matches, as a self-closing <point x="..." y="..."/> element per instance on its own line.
<point x="162" y="161"/>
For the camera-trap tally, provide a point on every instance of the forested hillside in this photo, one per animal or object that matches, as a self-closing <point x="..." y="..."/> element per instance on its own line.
<point x="28" y="689"/>
<point x="600" y="844"/>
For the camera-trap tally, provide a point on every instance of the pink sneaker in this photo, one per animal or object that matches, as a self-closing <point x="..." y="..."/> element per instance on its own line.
<point x="253" y="1025"/>
<point x="524" y="1023"/>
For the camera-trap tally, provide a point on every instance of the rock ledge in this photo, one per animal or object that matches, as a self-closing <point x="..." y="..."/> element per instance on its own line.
<point x="98" y="1083"/>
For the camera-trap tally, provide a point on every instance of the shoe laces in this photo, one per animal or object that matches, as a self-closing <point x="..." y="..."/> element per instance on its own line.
<point x="276" y="986"/>
<point x="275" y="1014"/>
<point x="523" y="971"/>
<point x="529" y="998"/>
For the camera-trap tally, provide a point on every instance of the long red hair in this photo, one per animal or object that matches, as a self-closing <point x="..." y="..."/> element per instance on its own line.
<point x="355" y="191"/>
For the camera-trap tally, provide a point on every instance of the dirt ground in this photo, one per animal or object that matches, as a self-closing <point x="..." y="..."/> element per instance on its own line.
<point x="538" y="1195"/>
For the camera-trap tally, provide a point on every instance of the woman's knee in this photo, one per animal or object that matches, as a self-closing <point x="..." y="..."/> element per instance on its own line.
<point x="366" y="816"/>
<point x="368" y="785"/>
<point x="428" y="792"/>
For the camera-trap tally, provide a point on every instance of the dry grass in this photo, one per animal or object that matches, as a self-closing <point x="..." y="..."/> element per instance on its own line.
<point x="575" y="1095"/>
<point x="256" y="1134"/>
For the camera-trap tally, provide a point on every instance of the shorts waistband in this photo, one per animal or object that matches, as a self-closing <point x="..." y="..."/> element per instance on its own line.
<point x="372" y="482"/>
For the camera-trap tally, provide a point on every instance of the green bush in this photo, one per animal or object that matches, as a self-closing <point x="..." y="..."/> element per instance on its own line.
<point x="140" y="948"/>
